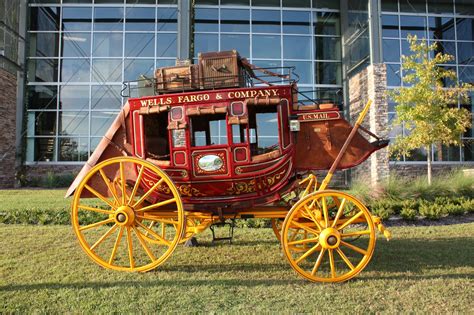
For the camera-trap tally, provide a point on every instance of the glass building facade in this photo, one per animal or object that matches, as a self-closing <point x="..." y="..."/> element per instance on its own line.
<point x="80" y="52"/>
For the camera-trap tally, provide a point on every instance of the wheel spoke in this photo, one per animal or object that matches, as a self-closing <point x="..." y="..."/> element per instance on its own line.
<point x="116" y="244"/>
<point x="156" y="205"/>
<point x="305" y="227"/>
<point x="325" y="212"/>
<point x="123" y="184"/>
<point x="308" y="240"/>
<point x="357" y="233"/>
<point x="130" y="247"/>
<point x="158" y="237"/>
<point x="103" y="237"/>
<point x="95" y="209"/>
<point x="295" y="234"/>
<point x="144" y="245"/>
<point x="311" y="214"/>
<point x="309" y="252"/>
<point x="350" y="220"/>
<point x="108" y="184"/>
<point x="148" y="193"/>
<point x="86" y="227"/>
<point x="344" y="257"/>
<point x="354" y="248"/>
<point x="339" y="212"/>
<point x="331" y="263"/>
<point x="318" y="262"/>
<point x="98" y="195"/>
<point x="137" y="184"/>
<point x="156" y="219"/>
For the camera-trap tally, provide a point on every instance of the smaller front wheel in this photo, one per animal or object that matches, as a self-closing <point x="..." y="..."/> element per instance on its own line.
<point x="337" y="233"/>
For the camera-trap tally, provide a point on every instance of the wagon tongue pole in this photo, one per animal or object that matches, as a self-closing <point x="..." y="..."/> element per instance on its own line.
<point x="334" y="165"/>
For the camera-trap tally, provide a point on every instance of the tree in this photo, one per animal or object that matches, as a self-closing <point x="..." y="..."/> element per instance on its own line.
<point x="425" y="107"/>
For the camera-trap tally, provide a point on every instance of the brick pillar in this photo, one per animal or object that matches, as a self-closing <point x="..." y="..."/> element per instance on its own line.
<point x="8" y="90"/>
<point x="370" y="83"/>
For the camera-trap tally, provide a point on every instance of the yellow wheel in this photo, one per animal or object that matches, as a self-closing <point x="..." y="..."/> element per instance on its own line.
<point x="338" y="233"/>
<point x="136" y="218"/>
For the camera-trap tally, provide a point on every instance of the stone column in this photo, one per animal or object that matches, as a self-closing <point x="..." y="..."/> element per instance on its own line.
<point x="370" y="83"/>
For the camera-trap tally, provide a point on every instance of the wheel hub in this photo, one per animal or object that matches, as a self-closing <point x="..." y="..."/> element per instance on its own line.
<point x="124" y="216"/>
<point x="330" y="238"/>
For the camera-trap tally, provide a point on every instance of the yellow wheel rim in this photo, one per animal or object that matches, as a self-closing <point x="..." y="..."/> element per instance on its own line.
<point x="337" y="232"/>
<point x="120" y="229"/>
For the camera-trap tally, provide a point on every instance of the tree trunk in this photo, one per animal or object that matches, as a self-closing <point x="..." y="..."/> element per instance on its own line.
<point x="428" y="158"/>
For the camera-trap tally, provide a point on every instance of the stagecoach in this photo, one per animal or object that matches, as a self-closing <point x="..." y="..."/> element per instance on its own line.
<point x="216" y="142"/>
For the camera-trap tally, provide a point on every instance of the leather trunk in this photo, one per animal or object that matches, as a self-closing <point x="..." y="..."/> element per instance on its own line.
<point x="178" y="78"/>
<point x="220" y="70"/>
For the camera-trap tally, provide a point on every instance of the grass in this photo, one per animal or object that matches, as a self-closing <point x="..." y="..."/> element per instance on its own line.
<point x="423" y="269"/>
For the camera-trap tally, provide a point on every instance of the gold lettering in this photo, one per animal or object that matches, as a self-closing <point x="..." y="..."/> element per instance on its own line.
<point x="143" y="103"/>
<point x="275" y="92"/>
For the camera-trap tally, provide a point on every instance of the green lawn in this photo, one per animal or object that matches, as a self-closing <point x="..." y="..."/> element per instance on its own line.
<point x="423" y="269"/>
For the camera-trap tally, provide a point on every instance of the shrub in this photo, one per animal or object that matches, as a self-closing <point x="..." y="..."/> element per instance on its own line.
<point x="431" y="210"/>
<point x="409" y="209"/>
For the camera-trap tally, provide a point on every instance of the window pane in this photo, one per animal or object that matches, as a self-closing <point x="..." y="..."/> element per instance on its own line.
<point x="75" y="70"/>
<point x="448" y="48"/>
<point x="40" y="149"/>
<point x="167" y="19"/>
<point x="140" y="19"/>
<point x="139" y="45"/>
<point x="43" y="45"/>
<point x="241" y="43"/>
<point x="391" y="50"/>
<point x="45" y="18"/>
<point x="73" y="149"/>
<point x="166" y="45"/>
<point x="413" y="25"/>
<point x="107" y="45"/>
<point x="77" y="19"/>
<point x="465" y="28"/>
<point x="266" y="46"/>
<point x="413" y="6"/>
<point x="206" y="20"/>
<point x="239" y="134"/>
<point x="466" y="74"/>
<point x="74" y="97"/>
<point x="303" y="44"/>
<point x="44" y="123"/>
<point x="76" y="44"/>
<point x="328" y="48"/>
<point x="101" y="122"/>
<point x="393" y="75"/>
<point x="74" y="123"/>
<point x="233" y="20"/>
<point x="445" y="153"/>
<point x="42" y="97"/>
<point x="108" y="19"/>
<point x="328" y="73"/>
<point x="296" y="3"/>
<point x="266" y="3"/>
<point x="468" y="150"/>
<point x="218" y="131"/>
<point x="464" y="7"/>
<point x="234" y="2"/>
<point x="440" y="6"/>
<point x="266" y="21"/>
<point x="205" y="43"/>
<point x="136" y="67"/>
<point x="466" y="53"/>
<point x="389" y="5"/>
<point x="106" y="97"/>
<point x="302" y="69"/>
<point x="326" y="23"/>
<point x="107" y="70"/>
<point x="389" y="25"/>
<point x="296" y="22"/>
<point x="417" y="155"/>
<point x="441" y="28"/>
<point x="42" y="70"/>
<point x="326" y="4"/>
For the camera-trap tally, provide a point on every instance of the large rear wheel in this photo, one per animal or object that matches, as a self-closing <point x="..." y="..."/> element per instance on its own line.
<point x="120" y="229"/>
<point x="339" y="236"/>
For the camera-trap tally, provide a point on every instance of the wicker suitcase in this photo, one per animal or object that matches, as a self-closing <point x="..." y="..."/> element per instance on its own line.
<point x="220" y="70"/>
<point x="178" y="78"/>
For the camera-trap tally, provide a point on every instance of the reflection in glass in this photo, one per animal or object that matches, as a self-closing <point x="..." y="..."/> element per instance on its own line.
<point x="42" y="70"/>
<point x="296" y="47"/>
<point x="107" y="45"/>
<point x="393" y="75"/>
<point x="40" y="149"/>
<point x="101" y="121"/>
<point x="390" y="5"/>
<point x="296" y="3"/>
<point x="448" y="48"/>
<point x="42" y="97"/>
<point x="326" y="4"/>
<point x="389" y="25"/>
<point x="414" y="25"/>
<point x="139" y="45"/>
<point x="104" y="70"/>
<point x="413" y="6"/>
<point x="266" y="3"/>
<point x="44" y="123"/>
<point x="136" y="67"/>
<point x="328" y="73"/>
<point x="465" y="28"/>
<point x="205" y="43"/>
<point x="43" y="45"/>
<point x="74" y="123"/>
<point x="468" y="150"/>
<point x="445" y="153"/>
<point x="326" y="23"/>
<point x="296" y="22"/>
<point x="106" y="97"/>
<point x="440" y="6"/>
<point x="167" y="19"/>
<point x="76" y="44"/>
<point x="74" y="97"/>
<point x="206" y="20"/>
<point x="140" y="19"/>
<point x="108" y="19"/>
<point x="391" y="50"/>
<point x="266" y="46"/>
<point x="327" y="48"/>
<point x="77" y="19"/>
<point x="466" y="53"/>
<point x="441" y="28"/>
<point x="302" y="69"/>
<point x="466" y="74"/>
<point x="266" y="21"/>
<point x="241" y="43"/>
<point x="166" y="45"/>
<point x="75" y="70"/>
<point x="45" y="18"/>
<point x="73" y="149"/>
<point x="235" y="20"/>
